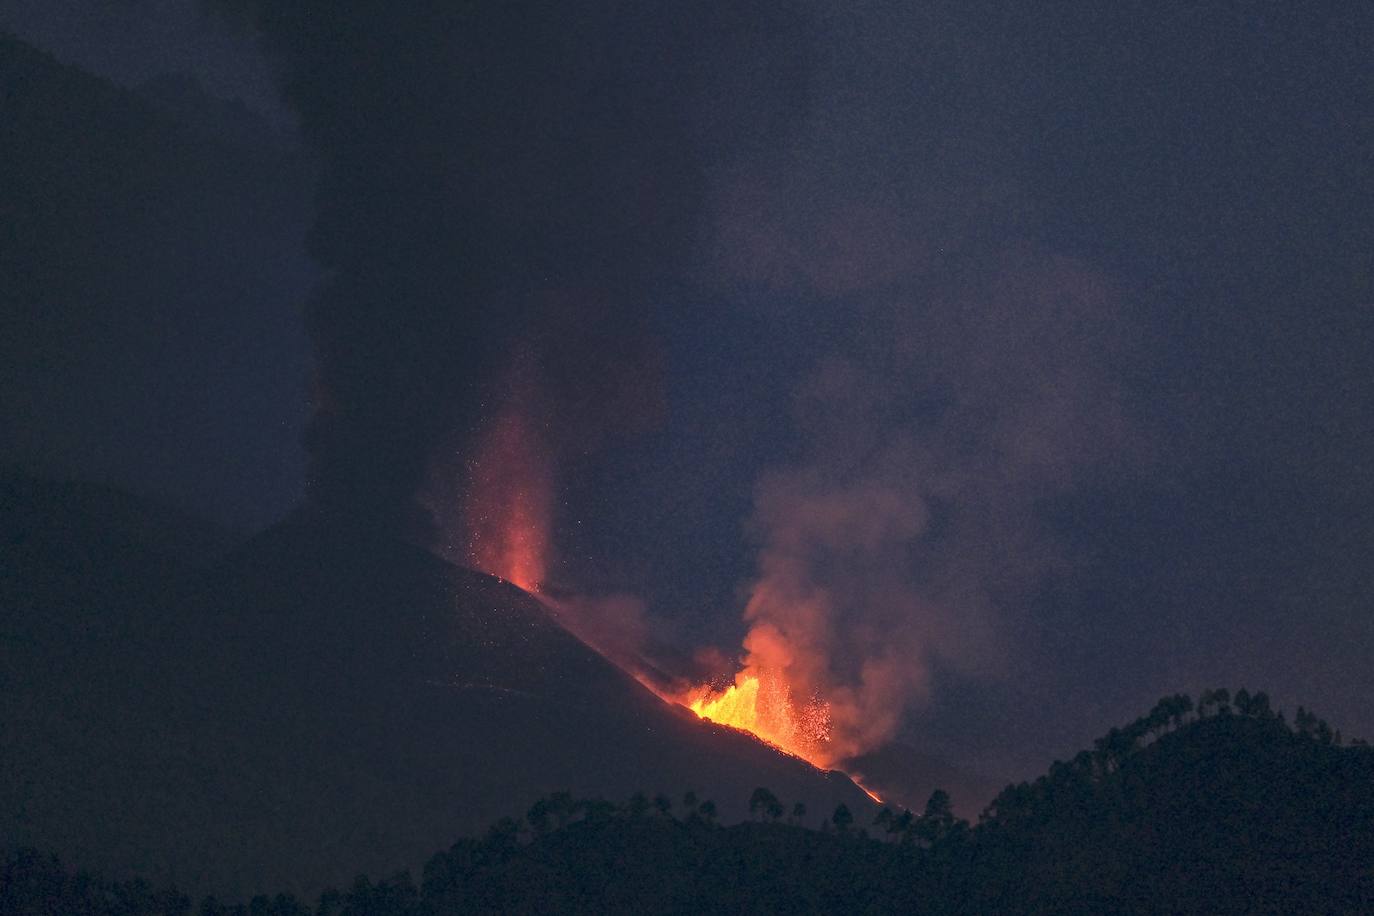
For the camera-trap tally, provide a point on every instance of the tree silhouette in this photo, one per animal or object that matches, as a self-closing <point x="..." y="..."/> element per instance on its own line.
<point x="561" y="807"/>
<point x="1163" y="825"/>
<point x="938" y="820"/>
<point x="1113" y="748"/>
<point x="896" y="825"/>
<point x="1177" y="708"/>
<point x="765" y="803"/>
<point x="538" y="816"/>
<point x="903" y="825"/>
<point x="1219" y="697"/>
<point x="598" y="809"/>
<point x="505" y="833"/>
<point x="638" y="805"/>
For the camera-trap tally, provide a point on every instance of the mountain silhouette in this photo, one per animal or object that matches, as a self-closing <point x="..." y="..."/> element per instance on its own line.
<point x="1222" y="810"/>
<point x="323" y="702"/>
<point x="1227" y="812"/>
<point x="153" y="266"/>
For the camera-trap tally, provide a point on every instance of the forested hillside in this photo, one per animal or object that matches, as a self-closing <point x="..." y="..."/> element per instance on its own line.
<point x="1220" y="806"/>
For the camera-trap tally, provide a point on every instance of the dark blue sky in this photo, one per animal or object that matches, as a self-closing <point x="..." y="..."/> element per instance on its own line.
<point x="1088" y="289"/>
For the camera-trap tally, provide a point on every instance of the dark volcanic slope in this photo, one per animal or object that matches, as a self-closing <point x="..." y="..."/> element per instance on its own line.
<point x="906" y="777"/>
<point x="329" y="704"/>
<point x="86" y="573"/>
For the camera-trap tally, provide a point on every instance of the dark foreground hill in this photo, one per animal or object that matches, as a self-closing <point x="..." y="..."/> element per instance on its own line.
<point x="321" y="703"/>
<point x="1231" y="812"/>
<point x="905" y="776"/>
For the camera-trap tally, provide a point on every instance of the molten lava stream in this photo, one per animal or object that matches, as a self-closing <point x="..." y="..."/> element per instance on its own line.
<point x="761" y="702"/>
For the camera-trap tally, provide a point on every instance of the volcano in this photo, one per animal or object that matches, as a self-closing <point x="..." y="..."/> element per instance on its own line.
<point x="323" y="702"/>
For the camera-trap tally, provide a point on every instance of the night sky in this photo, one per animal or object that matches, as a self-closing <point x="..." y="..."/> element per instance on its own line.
<point x="1041" y="341"/>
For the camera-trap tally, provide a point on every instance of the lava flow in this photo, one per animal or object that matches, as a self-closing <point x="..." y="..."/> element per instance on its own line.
<point x="508" y="515"/>
<point x="761" y="702"/>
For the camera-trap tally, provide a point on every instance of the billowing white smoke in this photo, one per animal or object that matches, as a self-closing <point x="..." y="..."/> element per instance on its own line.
<point x="908" y="532"/>
<point x="972" y="379"/>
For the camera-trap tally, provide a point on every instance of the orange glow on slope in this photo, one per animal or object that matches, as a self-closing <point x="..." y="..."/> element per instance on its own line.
<point x="509" y="508"/>
<point x="761" y="702"/>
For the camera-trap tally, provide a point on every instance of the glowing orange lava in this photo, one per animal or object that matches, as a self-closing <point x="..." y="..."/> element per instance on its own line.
<point x="510" y="503"/>
<point x="761" y="702"/>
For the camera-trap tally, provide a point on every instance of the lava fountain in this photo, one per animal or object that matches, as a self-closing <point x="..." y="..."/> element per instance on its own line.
<point x="509" y="507"/>
<point x="762" y="702"/>
<point x="508" y="517"/>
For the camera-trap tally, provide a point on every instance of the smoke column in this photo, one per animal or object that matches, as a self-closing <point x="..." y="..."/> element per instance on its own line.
<point x="511" y="184"/>
<point x="507" y="497"/>
<point x="491" y="171"/>
<point x="971" y="379"/>
<point x="908" y="534"/>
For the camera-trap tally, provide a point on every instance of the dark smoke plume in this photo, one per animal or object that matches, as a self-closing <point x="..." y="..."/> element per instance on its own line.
<point x="493" y="172"/>
<point x="507" y="187"/>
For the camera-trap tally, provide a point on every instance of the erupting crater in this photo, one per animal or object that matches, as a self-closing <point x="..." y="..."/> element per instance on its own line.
<point x="508" y="512"/>
<point x="761" y="702"/>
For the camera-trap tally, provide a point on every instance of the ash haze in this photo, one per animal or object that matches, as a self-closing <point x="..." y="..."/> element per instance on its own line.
<point x="995" y="371"/>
